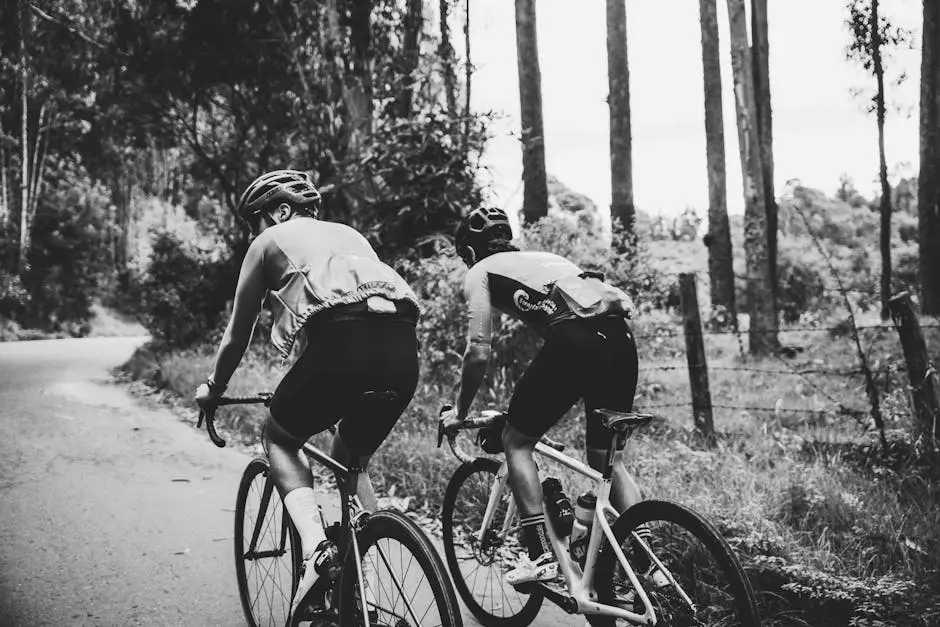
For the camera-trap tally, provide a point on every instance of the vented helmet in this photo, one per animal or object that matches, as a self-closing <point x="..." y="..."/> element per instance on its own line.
<point x="272" y="188"/>
<point x="480" y="226"/>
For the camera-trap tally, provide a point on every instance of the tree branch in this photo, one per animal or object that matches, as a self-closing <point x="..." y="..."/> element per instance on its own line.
<point x="66" y="26"/>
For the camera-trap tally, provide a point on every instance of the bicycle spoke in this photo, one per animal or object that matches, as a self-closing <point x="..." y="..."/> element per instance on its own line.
<point x="268" y="569"/>
<point x="396" y="586"/>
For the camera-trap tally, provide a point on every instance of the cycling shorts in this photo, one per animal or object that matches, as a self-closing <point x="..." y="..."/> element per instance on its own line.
<point x="593" y="359"/>
<point x="343" y="360"/>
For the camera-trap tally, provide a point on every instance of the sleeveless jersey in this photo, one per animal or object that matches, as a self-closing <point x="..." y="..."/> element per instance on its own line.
<point x="311" y="267"/>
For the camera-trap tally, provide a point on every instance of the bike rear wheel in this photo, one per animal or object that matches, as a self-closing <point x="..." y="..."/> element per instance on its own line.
<point x="406" y="584"/>
<point x="697" y="556"/>
<point x="267" y="548"/>
<point x="478" y="565"/>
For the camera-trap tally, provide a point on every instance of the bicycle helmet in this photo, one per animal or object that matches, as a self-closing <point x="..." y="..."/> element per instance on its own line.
<point x="273" y="188"/>
<point x="477" y="229"/>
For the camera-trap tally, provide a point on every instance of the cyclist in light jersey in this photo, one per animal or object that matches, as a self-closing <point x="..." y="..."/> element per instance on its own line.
<point x="588" y="353"/>
<point x="346" y="323"/>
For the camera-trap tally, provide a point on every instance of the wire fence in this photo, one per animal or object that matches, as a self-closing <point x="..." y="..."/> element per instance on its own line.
<point x="813" y="377"/>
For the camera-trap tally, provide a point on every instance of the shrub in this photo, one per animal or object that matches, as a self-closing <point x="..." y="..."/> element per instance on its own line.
<point x="625" y="263"/>
<point x="800" y="286"/>
<point x="13" y="296"/>
<point x="183" y="293"/>
<point x="422" y="179"/>
<point x="66" y="258"/>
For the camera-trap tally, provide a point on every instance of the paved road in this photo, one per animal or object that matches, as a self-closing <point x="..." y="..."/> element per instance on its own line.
<point x="111" y="513"/>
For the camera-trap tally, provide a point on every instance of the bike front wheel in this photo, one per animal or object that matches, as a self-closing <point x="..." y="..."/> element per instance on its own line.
<point x="405" y="582"/>
<point x="267" y="548"/>
<point x="697" y="556"/>
<point x="479" y="558"/>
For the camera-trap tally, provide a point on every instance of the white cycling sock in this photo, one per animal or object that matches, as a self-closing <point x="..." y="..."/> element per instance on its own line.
<point x="301" y="504"/>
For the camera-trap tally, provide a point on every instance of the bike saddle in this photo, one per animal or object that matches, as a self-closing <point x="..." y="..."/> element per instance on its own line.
<point x="621" y="420"/>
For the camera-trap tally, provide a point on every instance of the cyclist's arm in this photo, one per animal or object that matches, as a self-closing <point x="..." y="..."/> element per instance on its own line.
<point x="474" y="369"/>
<point x="479" y="336"/>
<point x="249" y="295"/>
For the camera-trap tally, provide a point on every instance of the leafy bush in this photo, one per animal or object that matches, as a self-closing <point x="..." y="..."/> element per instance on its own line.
<point x="13" y="296"/>
<point x="625" y="263"/>
<point x="67" y="258"/>
<point x="800" y="286"/>
<point x="421" y="179"/>
<point x="184" y="292"/>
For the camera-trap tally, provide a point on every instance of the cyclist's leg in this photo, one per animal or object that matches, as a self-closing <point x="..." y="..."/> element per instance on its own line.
<point x="613" y="365"/>
<point x="310" y="384"/>
<point x="541" y="397"/>
<point x="387" y="354"/>
<point x="288" y="426"/>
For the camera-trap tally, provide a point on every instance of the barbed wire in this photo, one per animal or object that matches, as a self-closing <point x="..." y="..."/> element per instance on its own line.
<point x="790" y="410"/>
<point x="842" y="329"/>
<point x="851" y="372"/>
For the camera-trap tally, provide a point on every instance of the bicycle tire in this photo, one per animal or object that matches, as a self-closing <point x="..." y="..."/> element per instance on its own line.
<point x="657" y="514"/>
<point x="408" y="608"/>
<point x="479" y="475"/>
<point x="253" y="482"/>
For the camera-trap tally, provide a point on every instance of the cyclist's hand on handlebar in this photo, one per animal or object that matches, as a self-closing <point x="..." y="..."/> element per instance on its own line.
<point x="205" y="397"/>
<point x="450" y="421"/>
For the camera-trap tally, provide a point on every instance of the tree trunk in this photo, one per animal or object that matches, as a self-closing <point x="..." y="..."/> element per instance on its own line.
<point x="24" y="139"/>
<point x="414" y="20"/>
<point x="446" y="51"/>
<point x="621" y="141"/>
<point x="4" y="196"/>
<point x="357" y="93"/>
<point x="720" y="258"/>
<point x="119" y="202"/>
<point x="761" y="55"/>
<point x="468" y="75"/>
<point x="928" y="190"/>
<point x="351" y="68"/>
<point x="763" y="317"/>
<point x="535" y="185"/>
<point x="885" y="206"/>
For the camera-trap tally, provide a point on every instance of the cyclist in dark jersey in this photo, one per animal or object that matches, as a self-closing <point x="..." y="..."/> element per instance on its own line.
<point x="345" y="322"/>
<point x="588" y="353"/>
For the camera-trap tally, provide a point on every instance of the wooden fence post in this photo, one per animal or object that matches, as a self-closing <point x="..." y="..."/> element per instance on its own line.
<point x="695" y="355"/>
<point x="925" y="382"/>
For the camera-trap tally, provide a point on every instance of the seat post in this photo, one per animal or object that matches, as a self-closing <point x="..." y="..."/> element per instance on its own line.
<point x="615" y="445"/>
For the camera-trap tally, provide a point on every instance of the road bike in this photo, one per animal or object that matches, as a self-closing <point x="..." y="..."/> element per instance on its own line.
<point x="386" y="558"/>
<point x="657" y="563"/>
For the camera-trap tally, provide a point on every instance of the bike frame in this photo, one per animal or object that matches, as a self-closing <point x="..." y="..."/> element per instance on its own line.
<point x="580" y="584"/>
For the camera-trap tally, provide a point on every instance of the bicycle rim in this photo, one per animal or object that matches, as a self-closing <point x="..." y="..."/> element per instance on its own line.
<point x="405" y="582"/>
<point x="267" y="572"/>
<point x="478" y="565"/>
<point x="697" y="556"/>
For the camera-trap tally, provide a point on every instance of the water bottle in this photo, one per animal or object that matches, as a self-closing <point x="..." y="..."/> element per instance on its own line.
<point x="581" y="529"/>
<point x="558" y="506"/>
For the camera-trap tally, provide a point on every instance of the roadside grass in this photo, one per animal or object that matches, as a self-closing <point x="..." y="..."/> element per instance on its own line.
<point x="12" y="331"/>
<point x="832" y="530"/>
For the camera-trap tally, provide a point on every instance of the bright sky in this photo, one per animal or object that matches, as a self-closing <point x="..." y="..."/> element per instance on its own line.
<point x="820" y="129"/>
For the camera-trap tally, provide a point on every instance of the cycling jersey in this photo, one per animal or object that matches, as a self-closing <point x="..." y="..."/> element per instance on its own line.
<point x="311" y="267"/>
<point x="538" y="288"/>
